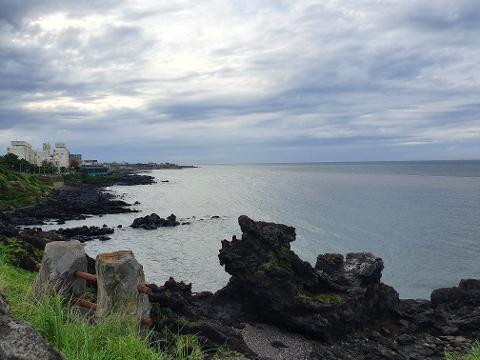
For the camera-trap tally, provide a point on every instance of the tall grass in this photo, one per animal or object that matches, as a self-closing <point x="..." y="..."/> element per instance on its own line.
<point x="473" y="354"/>
<point x="77" y="336"/>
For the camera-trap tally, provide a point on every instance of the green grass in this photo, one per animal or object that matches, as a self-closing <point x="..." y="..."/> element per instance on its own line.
<point x="10" y="197"/>
<point x="17" y="252"/>
<point x="473" y="354"/>
<point x="277" y="264"/>
<point x="327" y="298"/>
<point x="78" y="337"/>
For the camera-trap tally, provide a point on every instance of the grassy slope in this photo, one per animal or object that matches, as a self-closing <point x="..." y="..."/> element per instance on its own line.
<point x="77" y="338"/>
<point x="11" y="197"/>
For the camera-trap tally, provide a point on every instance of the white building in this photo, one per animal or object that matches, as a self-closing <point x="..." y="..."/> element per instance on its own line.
<point x="60" y="157"/>
<point x="23" y="150"/>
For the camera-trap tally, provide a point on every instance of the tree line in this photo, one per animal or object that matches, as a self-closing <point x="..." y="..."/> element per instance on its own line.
<point x="12" y="162"/>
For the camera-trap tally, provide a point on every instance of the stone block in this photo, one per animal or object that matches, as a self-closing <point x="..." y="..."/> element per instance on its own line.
<point x="118" y="275"/>
<point x="61" y="259"/>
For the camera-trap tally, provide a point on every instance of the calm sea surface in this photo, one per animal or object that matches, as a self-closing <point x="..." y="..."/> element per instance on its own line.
<point x="422" y="218"/>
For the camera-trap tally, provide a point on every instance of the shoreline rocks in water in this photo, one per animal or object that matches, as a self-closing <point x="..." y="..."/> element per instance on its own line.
<point x="153" y="221"/>
<point x="75" y="202"/>
<point x="130" y="180"/>
<point x="340" y="303"/>
<point x="86" y="233"/>
<point x="69" y="203"/>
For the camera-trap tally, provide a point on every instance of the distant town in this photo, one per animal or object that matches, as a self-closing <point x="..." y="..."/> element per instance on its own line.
<point x="62" y="160"/>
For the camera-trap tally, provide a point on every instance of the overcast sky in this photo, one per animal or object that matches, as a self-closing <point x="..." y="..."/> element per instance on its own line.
<point x="243" y="81"/>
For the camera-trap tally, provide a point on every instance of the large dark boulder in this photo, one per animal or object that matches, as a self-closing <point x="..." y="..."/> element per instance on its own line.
<point x="467" y="293"/>
<point x="153" y="221"/>
<point x="324" y="303"/>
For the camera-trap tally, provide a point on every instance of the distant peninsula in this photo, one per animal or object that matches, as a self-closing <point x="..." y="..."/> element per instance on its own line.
<point x="129" y="167"/>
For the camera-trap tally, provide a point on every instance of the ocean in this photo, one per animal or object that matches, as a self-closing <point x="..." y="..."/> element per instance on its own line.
<point x="422" y="218"/>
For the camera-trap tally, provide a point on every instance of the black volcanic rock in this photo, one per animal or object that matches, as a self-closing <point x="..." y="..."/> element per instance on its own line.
<point x="67" y="203"/>
<point x="86" y="233"/>
<point x="130" y="180"/>
<point x="153" y="221"/>
<point x="287" y="291"/>
<point x="341" y="302"/>
<point x="467" y="293"/>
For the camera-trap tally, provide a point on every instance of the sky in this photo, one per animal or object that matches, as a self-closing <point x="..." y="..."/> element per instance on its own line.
<point x="200" y="82"/>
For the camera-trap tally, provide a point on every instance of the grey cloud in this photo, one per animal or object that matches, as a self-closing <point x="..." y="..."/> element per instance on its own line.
<point x="444" y="15"/>
<point x="337" y="78"/>
<point x="15" y="12"/>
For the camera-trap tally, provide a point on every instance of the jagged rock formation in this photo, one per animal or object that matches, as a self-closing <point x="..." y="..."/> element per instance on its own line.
<point x="340" y="302"/>
<point x="153" y="221"/>
<point x="19" y="341"/>
<point x="325" y="303"/>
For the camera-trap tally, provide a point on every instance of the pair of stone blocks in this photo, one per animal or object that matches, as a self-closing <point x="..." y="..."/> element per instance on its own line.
<point x="118" y="275"/>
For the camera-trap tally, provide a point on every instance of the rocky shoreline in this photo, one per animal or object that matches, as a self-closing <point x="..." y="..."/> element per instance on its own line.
<point x="75" y="202"/>
<point x="340" y="306"/>
<point x="71" y="202"/>
<point x="275" y="306"/>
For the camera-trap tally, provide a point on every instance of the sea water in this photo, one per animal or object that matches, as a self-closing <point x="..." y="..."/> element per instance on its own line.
<point x="422" y="218"/>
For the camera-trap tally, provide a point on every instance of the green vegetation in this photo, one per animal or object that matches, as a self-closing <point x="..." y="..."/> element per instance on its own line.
<point x="20" y="253"/>
<point x="278" y="264"/>
<point x="20" y="189"/>
<point x="13" y="163"/>
<point x="76" y="336"/>
<point x="327" y="298"/>
<point x="473" y="354"/>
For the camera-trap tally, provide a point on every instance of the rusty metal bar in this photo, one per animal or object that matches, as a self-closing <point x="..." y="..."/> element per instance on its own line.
<point x="86" y="304"/>
<point x="147" y="321"/>
<point x="85" y="276"/>
<point x="143" y="289"/>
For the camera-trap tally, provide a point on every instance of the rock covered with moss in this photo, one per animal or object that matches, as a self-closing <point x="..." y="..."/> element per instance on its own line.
<point x="324" y="302"/>
<point x="341" y="302"/>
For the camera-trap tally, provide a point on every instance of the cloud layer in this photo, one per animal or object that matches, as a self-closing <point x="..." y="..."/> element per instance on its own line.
<point x="235" y="81"/>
